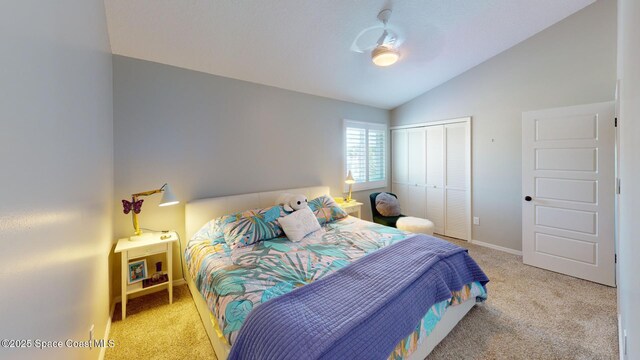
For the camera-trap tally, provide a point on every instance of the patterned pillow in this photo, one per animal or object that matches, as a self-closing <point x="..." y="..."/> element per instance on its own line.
<point x="326" y="209"/>
<point x="250" y="226"/>
<point x="211" y="231"/>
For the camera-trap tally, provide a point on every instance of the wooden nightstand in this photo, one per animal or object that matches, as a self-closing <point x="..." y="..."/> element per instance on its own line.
<point x="156" y="243"/>
<point x="352" y="207"/>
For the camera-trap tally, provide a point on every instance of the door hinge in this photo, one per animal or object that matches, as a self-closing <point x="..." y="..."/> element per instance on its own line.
<point x="615" y="122"/>
<point x="618" y="186"/>
<point x="615" y="258"/>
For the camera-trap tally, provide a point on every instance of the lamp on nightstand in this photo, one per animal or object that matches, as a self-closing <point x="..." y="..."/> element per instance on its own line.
<point x="350" y="181"/>
<point x="135" y="205"/>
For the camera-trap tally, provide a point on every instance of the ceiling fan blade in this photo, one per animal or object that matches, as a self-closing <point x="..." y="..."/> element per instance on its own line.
<point x="383" y="37"/>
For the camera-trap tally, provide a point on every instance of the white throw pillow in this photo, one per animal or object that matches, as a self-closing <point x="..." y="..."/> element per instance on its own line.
<point x="299" y="224"/>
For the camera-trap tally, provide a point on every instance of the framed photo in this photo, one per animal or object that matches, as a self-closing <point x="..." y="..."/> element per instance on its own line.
<point x="137" y="271"/>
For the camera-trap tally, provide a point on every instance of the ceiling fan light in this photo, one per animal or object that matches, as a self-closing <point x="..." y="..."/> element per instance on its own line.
<point x="384" y="56"/>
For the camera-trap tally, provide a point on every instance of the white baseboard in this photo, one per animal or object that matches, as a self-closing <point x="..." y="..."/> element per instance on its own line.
<point x="118" y="298"/>
<point x="497" y="247"/>
<point x="621" y="343"/>
<point x="107" y="330"/>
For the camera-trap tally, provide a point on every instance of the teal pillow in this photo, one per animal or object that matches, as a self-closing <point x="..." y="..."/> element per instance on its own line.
<point x="326" y="209"/>
<point x="247" y="227"/>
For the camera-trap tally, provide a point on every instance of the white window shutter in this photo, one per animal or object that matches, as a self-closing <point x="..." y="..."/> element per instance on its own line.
<point x="376" y="151"/>
<point x="365" y="154"/>
<point x="357" y="153"/>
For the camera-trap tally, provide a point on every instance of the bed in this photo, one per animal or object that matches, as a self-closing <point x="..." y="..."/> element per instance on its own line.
<point x="284" y="265"/>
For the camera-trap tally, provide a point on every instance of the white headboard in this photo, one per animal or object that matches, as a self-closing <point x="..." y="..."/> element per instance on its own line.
<point x="198" y="212"/>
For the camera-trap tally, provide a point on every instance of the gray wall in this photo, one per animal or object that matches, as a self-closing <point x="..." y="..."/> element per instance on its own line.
<point x="56" y="182"/>
<point x="572" y="62"/>
<point x="629" y="246"/>
<point x="212" y="136"/>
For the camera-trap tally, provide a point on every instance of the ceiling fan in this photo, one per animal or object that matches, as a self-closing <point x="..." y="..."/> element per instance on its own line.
<point x="383" y="46"/>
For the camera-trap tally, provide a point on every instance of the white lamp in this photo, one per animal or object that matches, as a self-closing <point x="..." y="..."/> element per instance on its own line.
<point x="168" y="197"/>
<point x="135" y="205"/>
<point x="349" y="180"/>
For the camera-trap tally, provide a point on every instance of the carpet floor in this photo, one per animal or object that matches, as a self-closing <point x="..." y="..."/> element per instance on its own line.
<point x="533" y="314"/>
<point x="530" y="314"/>
<point x="155" y="329"/>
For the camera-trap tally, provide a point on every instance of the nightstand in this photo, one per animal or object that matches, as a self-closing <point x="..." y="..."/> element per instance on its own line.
<point x="352" y="207"/>
<point x="151" y="244"/>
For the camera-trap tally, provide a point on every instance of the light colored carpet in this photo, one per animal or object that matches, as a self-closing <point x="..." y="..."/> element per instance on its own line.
<point x="155" y="329"/>
<point x="533" y="314"/>
<point x="530" y="314"/>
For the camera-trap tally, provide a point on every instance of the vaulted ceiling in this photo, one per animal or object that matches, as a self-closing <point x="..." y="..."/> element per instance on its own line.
<point x="304" y="45"/>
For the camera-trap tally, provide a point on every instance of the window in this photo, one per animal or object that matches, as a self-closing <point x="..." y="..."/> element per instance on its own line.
<point x="366" y="154"/>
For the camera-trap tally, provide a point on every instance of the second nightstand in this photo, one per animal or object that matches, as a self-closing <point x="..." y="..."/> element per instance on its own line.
<point x="352" y="207"/>
<point x="156" y="243"/>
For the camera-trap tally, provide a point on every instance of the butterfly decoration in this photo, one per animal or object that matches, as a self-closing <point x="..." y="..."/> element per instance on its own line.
<point x="136" y="206"/>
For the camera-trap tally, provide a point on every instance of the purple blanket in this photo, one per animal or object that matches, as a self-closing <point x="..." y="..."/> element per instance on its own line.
<point x="362" y="310"/>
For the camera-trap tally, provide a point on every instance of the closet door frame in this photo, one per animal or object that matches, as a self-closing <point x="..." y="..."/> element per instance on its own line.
<point x="468" y="179"/>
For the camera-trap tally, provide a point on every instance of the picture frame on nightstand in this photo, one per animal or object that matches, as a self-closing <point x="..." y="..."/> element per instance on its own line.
<point x="137" y="271"/>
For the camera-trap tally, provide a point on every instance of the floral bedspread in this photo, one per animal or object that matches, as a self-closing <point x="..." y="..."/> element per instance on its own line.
<point x="233" y="282"/>
<point x="408" y="345"/>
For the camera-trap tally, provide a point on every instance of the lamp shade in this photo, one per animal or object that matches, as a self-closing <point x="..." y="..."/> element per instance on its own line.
<point x="349" y="180"/>
<point x="168" y="197"/>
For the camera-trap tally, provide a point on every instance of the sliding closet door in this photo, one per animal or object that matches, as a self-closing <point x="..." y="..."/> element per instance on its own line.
<point x="417" y="155"/>
<point x="435" y="176"/>
<point x="399" y="156"/>
<point x="431" y="168"/>
<point x="400" y="166"/>
<point x="457" y="180"/>
<point x="417" y="199"/>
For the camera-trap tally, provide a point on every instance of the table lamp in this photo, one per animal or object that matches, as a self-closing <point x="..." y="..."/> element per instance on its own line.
<point x="135" y="205"/>
<point x="349" y="180"/>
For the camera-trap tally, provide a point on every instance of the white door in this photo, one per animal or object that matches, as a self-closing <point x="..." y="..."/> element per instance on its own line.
<point x="568" y="191"/>
<point x="400" y="166"/>
<point x="417" y="200"/>
<point x="431" y="174"/>
<point x="416" y="154"/>
<point x="435" y="177"/>
<point x="457" y="190"/>
<point x="399" y="156"/>
<point x="416" y="204"/>
<point x="402" y="192"/>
